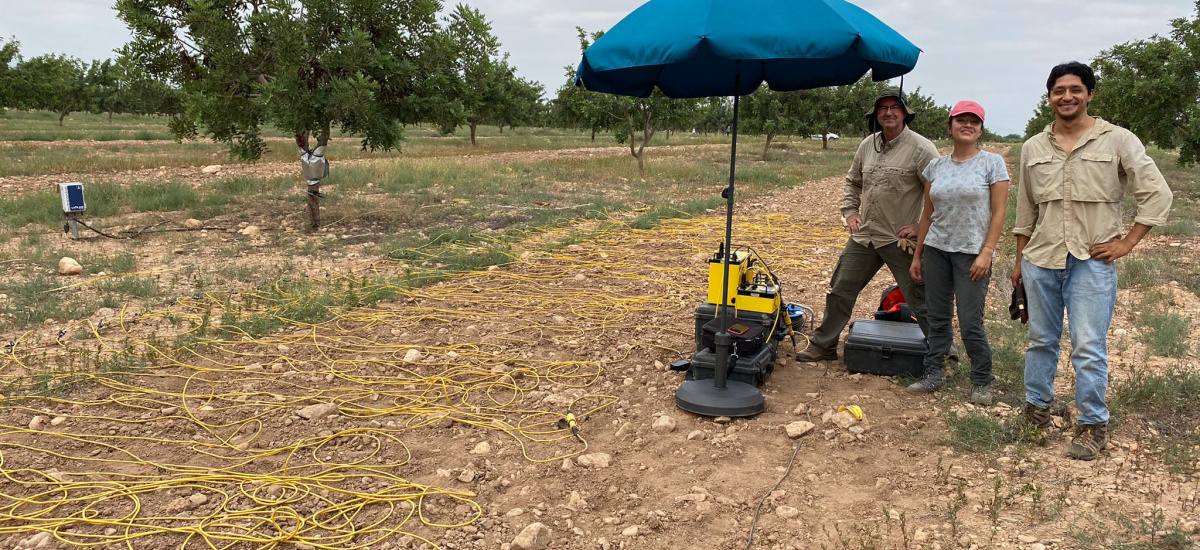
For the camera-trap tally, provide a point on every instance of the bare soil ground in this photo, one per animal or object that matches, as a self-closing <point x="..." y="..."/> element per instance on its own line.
<point x="442" y="430"/>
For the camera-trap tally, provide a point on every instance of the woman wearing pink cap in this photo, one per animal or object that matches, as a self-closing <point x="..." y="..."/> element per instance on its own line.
<point x="966" y="193"/>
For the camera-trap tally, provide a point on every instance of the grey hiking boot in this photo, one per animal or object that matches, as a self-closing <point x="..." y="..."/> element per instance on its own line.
<point x="1089" y="440"/>
<point x="931" y="382"/>
<point x="814" y="353"/>
<point x="983" y="395"/>
<point x="1037" y="416"/>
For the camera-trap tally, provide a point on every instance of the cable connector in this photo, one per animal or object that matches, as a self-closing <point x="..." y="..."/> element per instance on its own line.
<point x="569" y="421"/>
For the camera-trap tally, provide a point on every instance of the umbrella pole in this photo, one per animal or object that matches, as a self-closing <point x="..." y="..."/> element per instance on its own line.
<point x="722" y="339"/>
<point x="722" y="397"/>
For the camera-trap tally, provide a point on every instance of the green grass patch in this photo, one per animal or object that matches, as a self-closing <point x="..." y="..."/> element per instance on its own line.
<point x="31" y="302"/>
<point x="115" y="264"/>
<point x="975" y="432"/>
<point x="1143" y="270"/>
<point x="1166" y="402"/>
<point x="160" y="197"/>
<point x="1164" y="331"/>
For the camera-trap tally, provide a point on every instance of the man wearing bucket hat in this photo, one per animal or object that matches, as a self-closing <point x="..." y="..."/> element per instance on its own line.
<point x="881" y="207"/>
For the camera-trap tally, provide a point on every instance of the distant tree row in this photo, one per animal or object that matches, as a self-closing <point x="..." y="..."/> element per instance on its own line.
<point x="224" y="69"/>
<point x="63" y="85"/>
<point x="364" y="67"/>
<point x="819" y="112"/>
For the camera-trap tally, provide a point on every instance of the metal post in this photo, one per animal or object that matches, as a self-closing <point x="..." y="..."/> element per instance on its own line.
<point x="722" y="339"/>
<point x="73" y="223"/>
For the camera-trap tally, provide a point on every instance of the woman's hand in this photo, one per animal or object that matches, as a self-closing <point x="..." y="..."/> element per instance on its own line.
<point x="914" y="270"/>
<point x="981" y="266"/>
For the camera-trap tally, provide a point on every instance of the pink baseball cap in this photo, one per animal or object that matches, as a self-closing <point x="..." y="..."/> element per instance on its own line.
<point x="963" y="107"/>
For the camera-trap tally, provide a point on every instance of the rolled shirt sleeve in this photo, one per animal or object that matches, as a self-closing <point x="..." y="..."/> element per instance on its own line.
<point x="852" y="192"/>
<point x="1146" y="182"/>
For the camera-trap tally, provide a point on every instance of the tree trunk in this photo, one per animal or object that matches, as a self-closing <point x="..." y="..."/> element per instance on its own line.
<point x="501" y="129"/>
<point x="314" y="191"/>
<point x="110" y="115"/>
<point x="61" y="116"/>
<point x="593" y="135"/>
<point x="633" y="151"/>
<point x="767" y="146"/>
<point x="473" y="134"/>
<point x="647" y="134"/>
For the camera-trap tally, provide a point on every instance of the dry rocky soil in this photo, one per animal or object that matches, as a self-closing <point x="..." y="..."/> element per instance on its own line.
<point x="432" y="420"/>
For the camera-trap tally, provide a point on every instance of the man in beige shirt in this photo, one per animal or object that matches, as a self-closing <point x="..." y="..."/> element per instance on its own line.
<point x="882" y="205"/>
<point x="1068" y="231"/>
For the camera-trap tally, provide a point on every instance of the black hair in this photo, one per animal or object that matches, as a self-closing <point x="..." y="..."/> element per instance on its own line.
<point x="1076" y="68"/>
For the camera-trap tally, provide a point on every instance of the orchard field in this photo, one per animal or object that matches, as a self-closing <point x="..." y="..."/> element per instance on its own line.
<point x="220" y="375"/>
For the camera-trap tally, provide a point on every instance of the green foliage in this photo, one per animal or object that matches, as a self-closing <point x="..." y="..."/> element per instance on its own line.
<point x="366" y="66"/>
<point x="932" y="120"/>
<point x="9" y="55"/>
<point x="579" y="107"/>
<point x="1042" y="115"/>
<point x="488" y="91"/>
<point x="1152" y="87"/>
<point x="770" y="113"/>
<point x="52" y="82"/>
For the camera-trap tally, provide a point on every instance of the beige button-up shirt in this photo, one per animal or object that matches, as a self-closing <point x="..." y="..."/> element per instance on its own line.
<point x="885" y="188"/>
<point x="1068" y="203"/>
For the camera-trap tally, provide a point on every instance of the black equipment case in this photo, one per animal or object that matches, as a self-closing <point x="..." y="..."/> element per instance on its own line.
<point x="885" y="347"/>
<point x="753" y="369"/>
<point x="707" y="313"/>
<point x="746" y="337"/>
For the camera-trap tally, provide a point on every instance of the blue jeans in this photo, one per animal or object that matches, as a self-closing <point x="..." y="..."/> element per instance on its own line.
<point x="1087" y="289"/>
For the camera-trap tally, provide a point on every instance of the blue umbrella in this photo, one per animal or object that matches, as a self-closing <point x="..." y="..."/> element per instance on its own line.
<point x="706" y="48"/>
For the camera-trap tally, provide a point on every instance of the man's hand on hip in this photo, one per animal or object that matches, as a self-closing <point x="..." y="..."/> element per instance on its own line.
<point x="1110" y="251"/>
<point x="853" y="223"/>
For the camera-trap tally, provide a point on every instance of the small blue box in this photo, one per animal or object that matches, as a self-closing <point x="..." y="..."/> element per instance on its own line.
<point x="72" y="197"/>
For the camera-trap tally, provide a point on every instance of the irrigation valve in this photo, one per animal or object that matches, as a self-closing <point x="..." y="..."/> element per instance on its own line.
<point x="72" y="204"/>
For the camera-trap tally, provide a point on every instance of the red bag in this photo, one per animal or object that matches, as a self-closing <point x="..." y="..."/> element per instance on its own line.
<point x="893" y="306"/>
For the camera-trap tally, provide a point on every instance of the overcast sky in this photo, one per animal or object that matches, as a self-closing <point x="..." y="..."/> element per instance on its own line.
<point x="996" y="53"/>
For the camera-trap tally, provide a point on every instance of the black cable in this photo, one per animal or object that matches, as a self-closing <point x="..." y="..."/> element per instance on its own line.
<point x="139" y="232"/>
<point x="754" y="523"/>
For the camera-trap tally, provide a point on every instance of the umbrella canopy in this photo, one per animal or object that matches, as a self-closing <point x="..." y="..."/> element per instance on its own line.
<point x="698" y="48"/>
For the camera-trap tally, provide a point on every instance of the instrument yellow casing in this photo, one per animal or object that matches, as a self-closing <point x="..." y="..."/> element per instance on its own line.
<point x="716" y="271"/>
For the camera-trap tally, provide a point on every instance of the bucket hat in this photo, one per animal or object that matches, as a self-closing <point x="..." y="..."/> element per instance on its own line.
<point x="873" y="123"/>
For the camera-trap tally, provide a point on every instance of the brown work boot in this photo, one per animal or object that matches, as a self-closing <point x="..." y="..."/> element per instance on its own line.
<point x="814" y="353"/>
<point x="1037" y="416"/>
<point x="1089" y="440"/>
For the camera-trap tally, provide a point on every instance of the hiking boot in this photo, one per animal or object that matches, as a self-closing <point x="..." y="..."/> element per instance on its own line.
<point x="982" y="395"/>
<point x="1089" y="440"/>
<point x="814" y="353"/>
<point x="931" y="382"/>
<point x="1037" y="416"/>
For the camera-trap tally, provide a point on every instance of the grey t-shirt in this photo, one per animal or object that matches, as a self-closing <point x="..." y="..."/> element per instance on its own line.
<point x="962" y="203"/>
